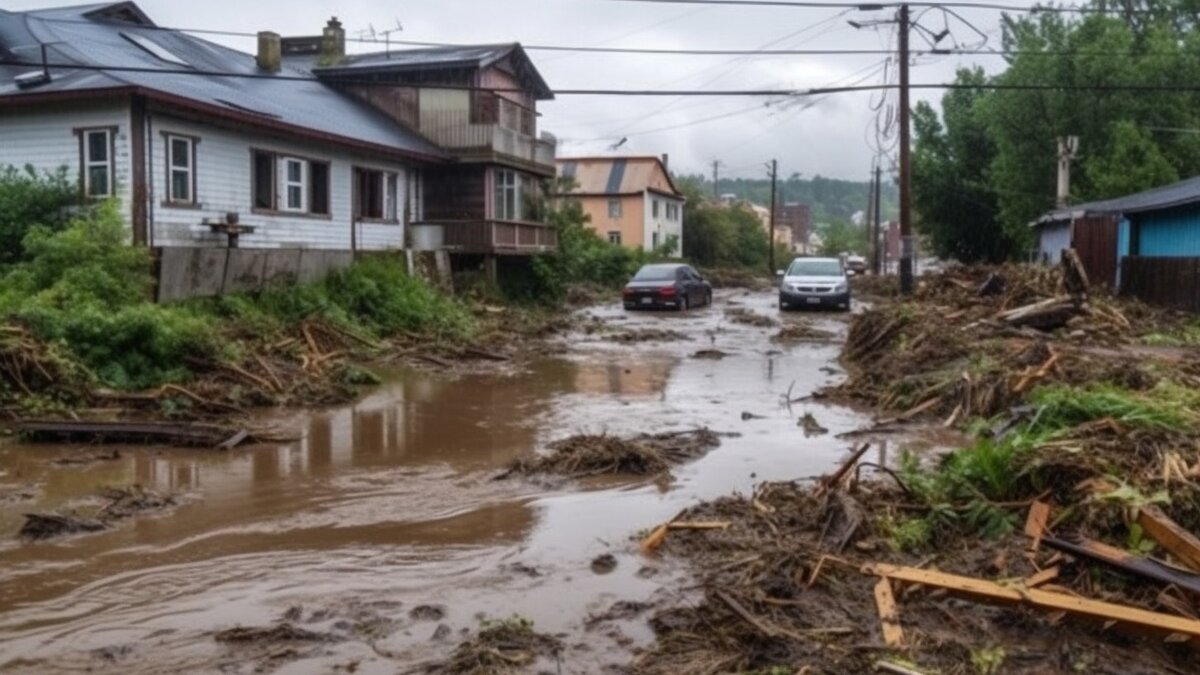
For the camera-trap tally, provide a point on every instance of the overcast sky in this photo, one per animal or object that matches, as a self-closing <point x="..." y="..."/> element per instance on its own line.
<point x="832" y="136"/>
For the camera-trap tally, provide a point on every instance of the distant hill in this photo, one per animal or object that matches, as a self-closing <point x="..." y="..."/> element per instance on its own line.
<point x="830" y="198"/>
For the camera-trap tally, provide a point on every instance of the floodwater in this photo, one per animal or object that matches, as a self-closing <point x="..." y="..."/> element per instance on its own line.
<point x="390" y="503"/>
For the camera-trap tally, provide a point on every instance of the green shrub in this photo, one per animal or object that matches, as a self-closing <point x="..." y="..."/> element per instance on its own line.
<point x="1062" y="407"/>
<point x="27" y="200"/>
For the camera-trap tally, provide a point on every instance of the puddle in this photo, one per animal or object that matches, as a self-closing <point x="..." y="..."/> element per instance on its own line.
<point x="389" y="504"/>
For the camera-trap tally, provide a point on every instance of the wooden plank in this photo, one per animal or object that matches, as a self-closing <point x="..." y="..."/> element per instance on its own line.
<point x="991" y="592"/>
<point x="1035" y="524"/>
<point x="1046" y="575"/>
<point x="889" y="617"/>
<point x="700" y="525"/>
<point x="1182" y="544"/>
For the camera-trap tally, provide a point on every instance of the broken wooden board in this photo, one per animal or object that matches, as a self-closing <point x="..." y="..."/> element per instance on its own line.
<point x="889" y="616"/>
<point x="1125" y="561"/>
<point x="991" y="592"/>
<point x="163" y="433"/>
<point x="1180" y="543"/>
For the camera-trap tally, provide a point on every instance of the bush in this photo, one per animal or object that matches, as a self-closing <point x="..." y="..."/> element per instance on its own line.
<point x="28" y="200"/>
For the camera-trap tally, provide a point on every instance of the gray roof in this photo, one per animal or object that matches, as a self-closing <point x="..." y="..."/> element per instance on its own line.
<point x="433" y="58"/>
<point x="1156" y="199"/>
<point x="298" y="101"/>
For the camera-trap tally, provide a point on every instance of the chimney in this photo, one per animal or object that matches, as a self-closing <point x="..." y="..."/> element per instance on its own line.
<point x="666" y="160"/>
<point x="333" y="42"/>
<point x="269" y="51"/>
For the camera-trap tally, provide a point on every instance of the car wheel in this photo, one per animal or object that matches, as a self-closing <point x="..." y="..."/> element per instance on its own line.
<point x="683" y="303"/>
<point x="708" y="298"/>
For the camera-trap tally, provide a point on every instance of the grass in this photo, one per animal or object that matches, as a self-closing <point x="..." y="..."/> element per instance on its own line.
<point x="1062" y="407"/>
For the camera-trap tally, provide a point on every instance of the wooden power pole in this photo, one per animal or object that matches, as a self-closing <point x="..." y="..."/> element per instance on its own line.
<point x="771" y="232"/>
<point x="906" y="237"/>
<point x="716" y="179"/>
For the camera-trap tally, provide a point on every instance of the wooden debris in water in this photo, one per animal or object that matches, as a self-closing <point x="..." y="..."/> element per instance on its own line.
<point x="165" y="433"/>
<point x="589" y="455"/>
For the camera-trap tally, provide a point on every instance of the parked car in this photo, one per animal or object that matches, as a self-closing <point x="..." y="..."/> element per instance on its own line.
<point x="856" y="264"/>
<point x="666" y="286"/>
<point x="814" y="282"/>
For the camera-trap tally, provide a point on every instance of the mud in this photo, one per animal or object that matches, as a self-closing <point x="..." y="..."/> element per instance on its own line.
<point x="749" y="317"/>
<point x="644" y="454"/>
<point x="507" y="646"/>
<point x="388" y="504"/>
<point x="800" y="332"/>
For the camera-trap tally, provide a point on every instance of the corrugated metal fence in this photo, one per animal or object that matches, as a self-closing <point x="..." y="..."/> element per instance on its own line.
<point x="1166" y="282"/>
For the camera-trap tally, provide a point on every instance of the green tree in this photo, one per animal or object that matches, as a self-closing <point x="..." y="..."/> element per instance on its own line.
<point x="1132" y="162"/>
<point x="842" y="236"/>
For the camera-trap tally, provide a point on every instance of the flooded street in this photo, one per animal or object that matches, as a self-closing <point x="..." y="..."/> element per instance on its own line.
<point x="390" y="505"/>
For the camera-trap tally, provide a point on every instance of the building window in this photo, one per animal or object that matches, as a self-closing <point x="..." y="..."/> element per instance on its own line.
<point x="654" y="208"/>
<point x="654" y="240"/>
<point x="614" y="237"/>
<point x="375" y="194"/>
<point x="290" y="184"/>
<point x="295" y="184"/>
<point x="181" y="169"/>
<point x="614" y="208"/>
<point x="97" y="157"/>
<point x="509" y="194"/>
<point x="672" y="212"/>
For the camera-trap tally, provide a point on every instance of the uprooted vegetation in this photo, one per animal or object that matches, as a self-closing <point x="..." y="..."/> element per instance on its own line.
<point x="79" y="329"/>
<point x="591" y="455"/>
<point x="1068" y="523"/>
<point x="503" y="646"/>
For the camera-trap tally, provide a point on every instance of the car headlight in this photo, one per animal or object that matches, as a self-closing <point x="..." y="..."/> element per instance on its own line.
<point x="840" y="288"/>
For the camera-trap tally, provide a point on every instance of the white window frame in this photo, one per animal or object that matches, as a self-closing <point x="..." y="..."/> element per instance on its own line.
<point x="614" y="237"/>
<point x="508" y="193"/>
<point x="287" y="184"/>
<point x="189" y="170"/>
<point x="614" y="208"/>
<point x="654" y="208"/>
<point x="388" y="185"/>
<point x="108" y="163"/>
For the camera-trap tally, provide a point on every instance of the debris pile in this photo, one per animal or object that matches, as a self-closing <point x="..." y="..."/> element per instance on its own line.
<point x="647" y="335"/>
<point x="508" y="646"/>
<point x="748" y="317"/>
<point x="800" y="332"/>
<point x="738" y="277"/>
<point x="122" y="503"/>
<point x="841" y="576"/>
<point x="975" y="341"/>
<point x="590" y="455"/>
<point x="30" y="367"/>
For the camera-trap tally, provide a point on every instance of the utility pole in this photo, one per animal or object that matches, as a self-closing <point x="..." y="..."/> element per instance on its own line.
<point x="716" y="178"/>
<point x="868" y="215"/>
<point x="906" y="238"/>
<point x="1068" y="149"/>
<point x="771" y="231"/>
<point x="877" y="262"/>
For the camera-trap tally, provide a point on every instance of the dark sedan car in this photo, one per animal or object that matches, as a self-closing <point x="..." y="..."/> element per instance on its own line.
<point x="667" y="286"/>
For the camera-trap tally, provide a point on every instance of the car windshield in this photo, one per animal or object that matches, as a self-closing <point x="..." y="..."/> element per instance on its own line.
<point x="653" y="273"/>
<point x="815" y="268"/>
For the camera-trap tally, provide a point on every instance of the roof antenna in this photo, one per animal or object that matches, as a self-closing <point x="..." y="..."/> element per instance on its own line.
<point x="387" y="38"/>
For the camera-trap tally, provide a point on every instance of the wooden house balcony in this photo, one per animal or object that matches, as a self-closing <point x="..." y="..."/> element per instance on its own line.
<point x="455" y="131"/>
<point x="499" y="237"/>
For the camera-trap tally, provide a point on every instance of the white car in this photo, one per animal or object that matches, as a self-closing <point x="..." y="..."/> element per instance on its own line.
<point x="814" y="282"/>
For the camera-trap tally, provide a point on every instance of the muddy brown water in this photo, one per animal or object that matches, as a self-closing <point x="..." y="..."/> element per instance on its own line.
<point x="389" y="503"/>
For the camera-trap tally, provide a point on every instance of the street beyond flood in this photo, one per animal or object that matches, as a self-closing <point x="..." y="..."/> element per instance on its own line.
<point x="383" y="520"/>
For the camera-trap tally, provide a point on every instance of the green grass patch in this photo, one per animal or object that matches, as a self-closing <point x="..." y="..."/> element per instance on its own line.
<point x="1062" y="407"/>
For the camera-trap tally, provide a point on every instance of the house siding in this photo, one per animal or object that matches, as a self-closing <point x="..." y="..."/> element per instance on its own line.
<point x="1052" y="239"/>
<point x="1171" y="233"/>
<point x="631" y="224"/>
<point x="664" y="226"/>
<point x="45" y="139"/>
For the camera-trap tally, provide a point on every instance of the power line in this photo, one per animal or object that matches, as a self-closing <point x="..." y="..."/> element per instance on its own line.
<point x="872" y="6"/>
<point x="1182" y="88"/>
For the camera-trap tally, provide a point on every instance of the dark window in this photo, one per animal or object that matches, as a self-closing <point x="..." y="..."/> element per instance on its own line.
<point x="264" y="180"/>
<point x="319" y="199"/>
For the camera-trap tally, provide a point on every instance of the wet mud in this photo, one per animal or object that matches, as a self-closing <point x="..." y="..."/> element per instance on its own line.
<point x="388" y="507"/>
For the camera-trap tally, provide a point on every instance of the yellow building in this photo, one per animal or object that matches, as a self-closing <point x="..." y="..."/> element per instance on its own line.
<point x="631" y="201"/>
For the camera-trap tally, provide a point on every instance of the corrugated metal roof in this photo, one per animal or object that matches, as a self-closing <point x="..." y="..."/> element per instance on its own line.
<point x="306" y="103"/>
<point x="1168" y="196"/>
<point x="617" y="175"/>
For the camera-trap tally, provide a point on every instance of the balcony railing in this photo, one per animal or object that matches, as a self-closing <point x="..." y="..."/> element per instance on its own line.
<point x="454" y="130"/>
<point x="500" y="237"/>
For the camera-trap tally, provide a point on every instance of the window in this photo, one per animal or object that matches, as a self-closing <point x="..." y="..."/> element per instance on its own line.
<point x="97" y="159"/>
<point x="509" y="194"/>
<point x="654" y="240"/>
<point x="614" y="237"/>
<point x="181" y="169"/>
<point x="290" y="184"/>
<point x="614" y="208"/>
<point x="295" y="184"/>
<point x="672" y="212"/>
<point x="375" y="194"/>
<point x="654" y="208"/>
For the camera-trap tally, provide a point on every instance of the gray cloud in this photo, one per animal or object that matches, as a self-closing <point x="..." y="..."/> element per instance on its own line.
<point x="827" y="138"/>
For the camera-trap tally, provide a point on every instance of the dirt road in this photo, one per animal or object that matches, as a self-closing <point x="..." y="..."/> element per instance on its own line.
<point x="389" y="505"/>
